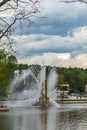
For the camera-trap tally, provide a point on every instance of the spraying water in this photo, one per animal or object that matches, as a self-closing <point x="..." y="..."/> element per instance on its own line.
<point x="26" y="87"/>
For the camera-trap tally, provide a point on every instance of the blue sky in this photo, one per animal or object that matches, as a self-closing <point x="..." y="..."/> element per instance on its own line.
<point x="59" y="39"/>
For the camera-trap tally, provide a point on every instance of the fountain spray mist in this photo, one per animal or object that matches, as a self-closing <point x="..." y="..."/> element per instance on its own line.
<point x="25" y="93"/>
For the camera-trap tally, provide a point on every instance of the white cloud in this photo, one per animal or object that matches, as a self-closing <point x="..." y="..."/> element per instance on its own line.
<point x="38" y="42"/>
<point x="44" y="59"/>
<point x="62" y="10"/>
<point x="54" y="59"/>
<point x="54" y="50"/>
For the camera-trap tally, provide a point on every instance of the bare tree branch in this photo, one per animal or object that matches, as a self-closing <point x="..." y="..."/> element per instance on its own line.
<point x="72" y="1"/>
<point x="12" y="11"/>
<point x="7" y="29"/>
<point x="4" y="2"/>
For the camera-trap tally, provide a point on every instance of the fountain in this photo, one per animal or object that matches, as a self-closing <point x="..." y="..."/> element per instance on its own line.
<point x="43" y="99"/>
<point x="40" y="92"/>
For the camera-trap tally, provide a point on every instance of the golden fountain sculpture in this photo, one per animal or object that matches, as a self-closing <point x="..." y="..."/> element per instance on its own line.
<point x="44" y="99"/>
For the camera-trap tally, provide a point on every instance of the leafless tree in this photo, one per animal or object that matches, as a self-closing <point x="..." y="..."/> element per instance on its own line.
<point x="13" y="12"/>
<point x="71" y="1"/>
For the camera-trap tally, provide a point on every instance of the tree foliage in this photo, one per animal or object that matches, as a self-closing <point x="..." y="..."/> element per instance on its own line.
<point x="76" y="77"/>
<point x="7" y="66"/>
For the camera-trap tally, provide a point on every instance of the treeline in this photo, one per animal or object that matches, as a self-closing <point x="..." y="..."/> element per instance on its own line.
<point x="75" y="77"/>
<point x="8" y="64"/>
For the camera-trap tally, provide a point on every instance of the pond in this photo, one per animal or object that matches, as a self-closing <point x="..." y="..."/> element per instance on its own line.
<point x="66" y="117"/>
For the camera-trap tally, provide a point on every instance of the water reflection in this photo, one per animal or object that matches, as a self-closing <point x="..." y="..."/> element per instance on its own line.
<point x="48" y="119"/>
<point x="26" y="120"/>
<point x="44" y="119"/>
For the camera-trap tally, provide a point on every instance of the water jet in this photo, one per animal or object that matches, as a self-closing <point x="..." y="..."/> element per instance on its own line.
<point x="44" y="99"/>
<point x="40" y="92"/>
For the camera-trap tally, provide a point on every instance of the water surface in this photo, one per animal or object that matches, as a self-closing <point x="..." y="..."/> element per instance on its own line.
<point x="67" y="117"/>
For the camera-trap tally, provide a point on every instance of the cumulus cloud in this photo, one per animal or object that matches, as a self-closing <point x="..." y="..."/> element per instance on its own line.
<point x="60" y="19"/>
<point x="55" y="59"/>
<point x="40" y="43"/>
<point x="54" y="49"/>
<point x="60" y="39"/>
<point x="52" y="59"/>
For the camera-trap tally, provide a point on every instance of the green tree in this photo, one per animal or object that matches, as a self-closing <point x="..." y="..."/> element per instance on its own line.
<point x="12" y="60"/>
<point x="3" y="56"/>
<point x="76" y="78"/>
<point x="7" y="67"/>
<point x="11" y="64"/>
<point x="60" y="81"/>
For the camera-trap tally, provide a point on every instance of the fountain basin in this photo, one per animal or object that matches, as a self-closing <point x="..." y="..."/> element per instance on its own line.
<point x="43" y="102"/>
